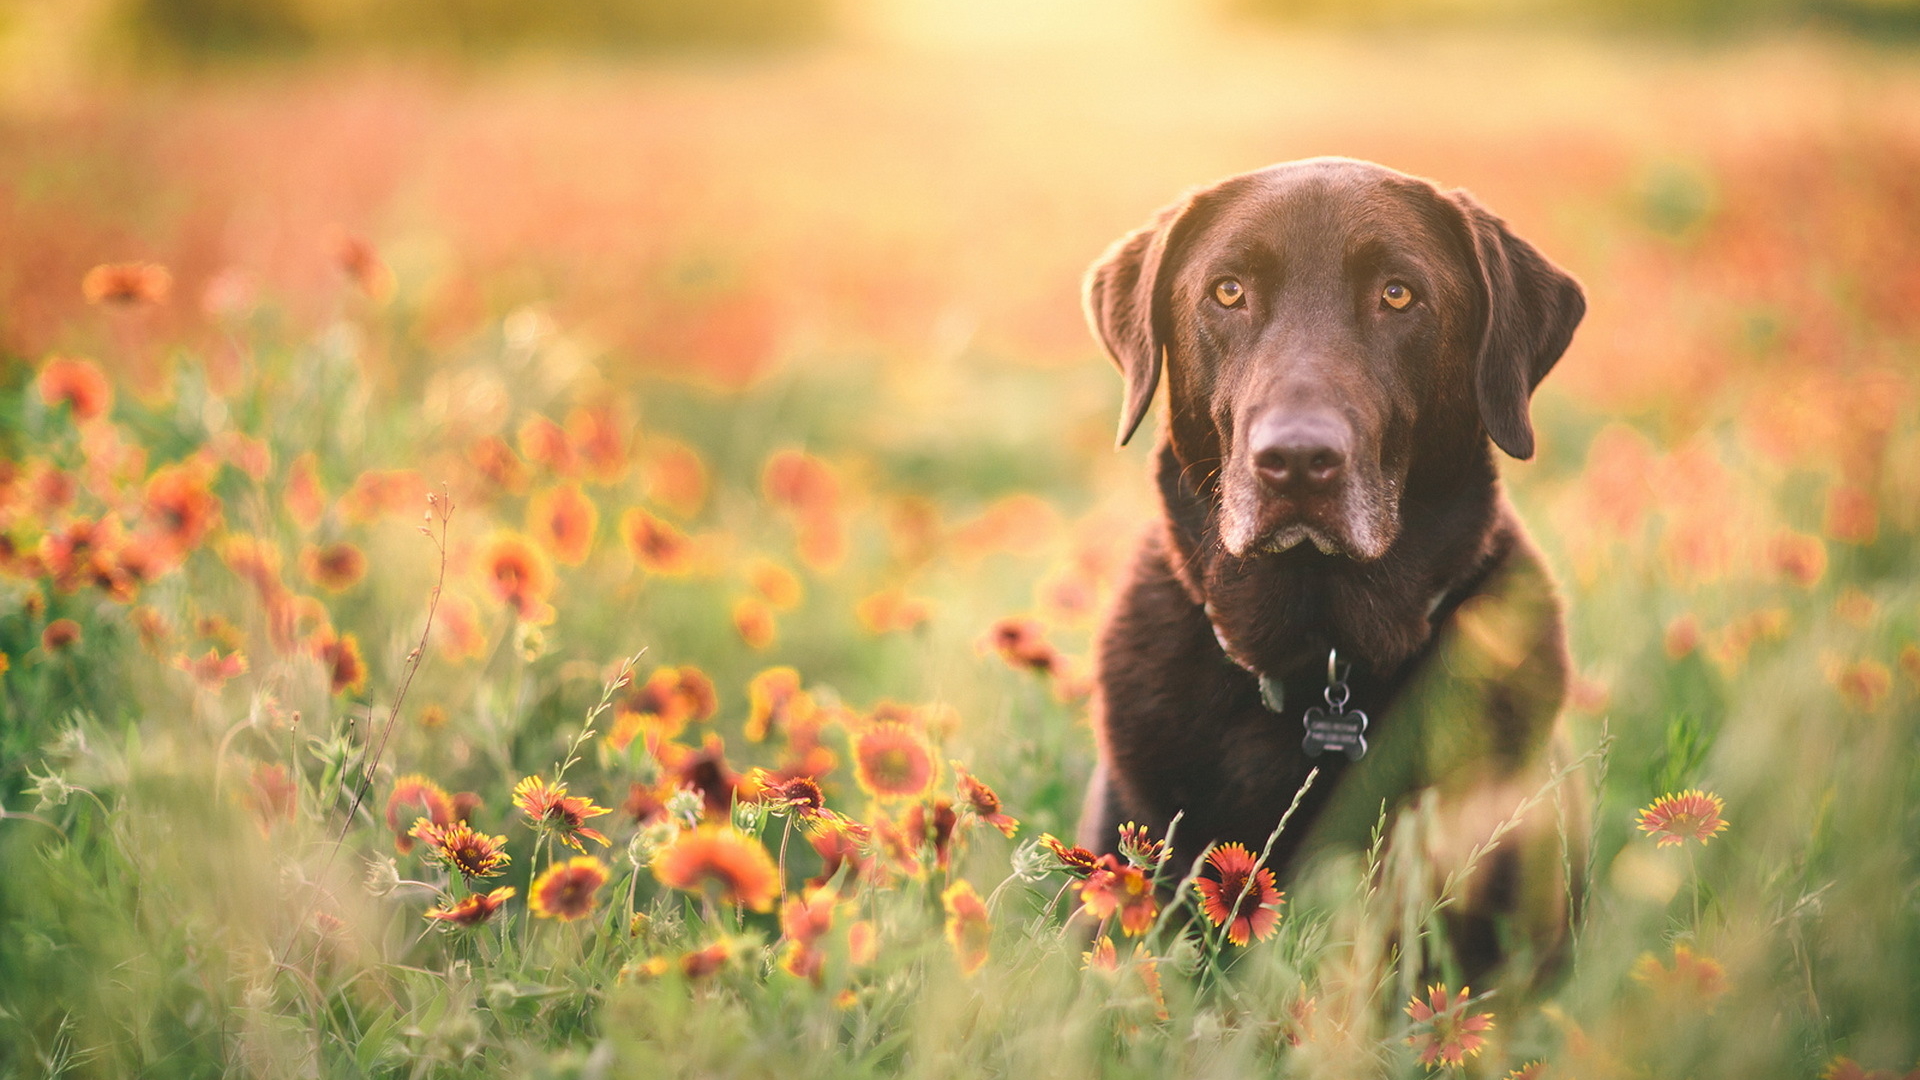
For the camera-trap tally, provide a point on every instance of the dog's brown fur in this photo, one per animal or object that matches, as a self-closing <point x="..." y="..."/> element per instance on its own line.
<point x="1410" y="562"/>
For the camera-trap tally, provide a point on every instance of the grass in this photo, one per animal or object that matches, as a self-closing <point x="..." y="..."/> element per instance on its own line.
<point x="814" y="320"/>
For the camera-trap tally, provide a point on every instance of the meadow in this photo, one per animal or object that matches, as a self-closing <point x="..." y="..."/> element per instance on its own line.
<point x="589" y="569"/>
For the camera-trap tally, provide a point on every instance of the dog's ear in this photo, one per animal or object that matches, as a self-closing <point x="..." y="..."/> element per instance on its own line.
<point x="1119" y="298"/>
<point x="1532" y="307"/>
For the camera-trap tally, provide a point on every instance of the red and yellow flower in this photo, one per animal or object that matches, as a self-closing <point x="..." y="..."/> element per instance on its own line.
<point x="1450" y="1035"/>
<point x="1076" y="861"/>
<point x="1117" y="888"/>
<point x="720" y="860"/>
<point x="474" y="854"/>
<point x="657" y="547"/>
<point x="1672" y="820"/>
<point x="1244" y="902"/>
<point x="892" y="761"/>
<point x="978" y="799"/>
<point x="415" y="797"/>
<point x="517" y="574"/>
<point x="969" y="930"/>
<point x="473" y="909"/>
<point x="212" y="670"/>
<point x="78" y="384"/>
<point x="664" y="705"/>
<point x="566" y="891"/>
<point x="127" y="285"/>
<point x="339" y="656"/>
<point x="775" y="700"/>
<point x="1693" y="979"/>
<point x="334" y="567"/>
<point x="564" y="521"/>
<point x="549" y="808"/>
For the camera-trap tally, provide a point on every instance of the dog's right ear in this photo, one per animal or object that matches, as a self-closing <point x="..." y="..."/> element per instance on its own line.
<point x="1119" y="297"/>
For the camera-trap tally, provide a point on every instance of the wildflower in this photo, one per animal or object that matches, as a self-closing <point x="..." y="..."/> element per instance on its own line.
<point x="719" y="857"/>
<point x="797" y="481"/>
<point x="1023" y="644"/>
<point x="433" y="716"/>
<point x="665" y="704"/>
<point x="1102" y="957"/>
<point x="544" y="442"/>
<point x="930" y="824"/>
<point x="1115" y="887"/>
<point x="60" y="635"/>
<point x="1140" y="848"/>
<point x="549" y="807"/>
<point x="1451" y="1036"/>
<point x="181" y="505"/>
<point x="1241" y="900"/>
<point x="83" y="552"/>
<point x="1077" y="861"/>
<point x="1693" y="978"/>
<point x="675" y="478"/>
<point x="1863" y="684"/>
<point x="270" y="793"/>
<point x="705" y="963"/>
<point x="244" y="452"/>
<point x="473" y="854"/>
<point x="774" y="699"/>
<point x="776" y="584"/>
<point x="361" y="263"/>
<point x="968" y="929"/>
<point x="381" y="491"/>
<point x="518" y="575"/>
<point x="657" y="547"/>
<point x="1845" y="1068"/>
<point x="127" y="285"/>
<point x="457" y="628"/>
<point x="598" y="438"/>
<point x="336" y="567"/>
<point x="1017" y="524"/>
<point x="892" y="611"/>
<point x="212" y="670"/>
<point x="979" y="800"/>
<point x="839" y="848"/>
<point x="414" y="796"/>
<point x="1682" y="637"/>
<point x="473" y="909"/>
<point x="565" y="891"/>
<point x="1532" y="1070"/>
<point x="564" y="520"/>
<point x="704" y="773"/>
<point x="78" y="384"/>
<point x="805" y="919"/>
<point x="800" y="796"/>
<point x="339" y="654"/>
<point x="1851" y="516"/>
<point x="753" y="620"/>
<point x="892" y="761"/>
<point x="1799" y="558"/>
<point x="1672" y="820"/>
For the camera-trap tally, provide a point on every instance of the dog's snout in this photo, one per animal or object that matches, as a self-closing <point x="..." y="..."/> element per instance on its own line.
<point x="1298" y="455"/>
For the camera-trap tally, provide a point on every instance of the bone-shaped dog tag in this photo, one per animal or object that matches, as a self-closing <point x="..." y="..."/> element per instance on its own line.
<point x="1344" y="731"/>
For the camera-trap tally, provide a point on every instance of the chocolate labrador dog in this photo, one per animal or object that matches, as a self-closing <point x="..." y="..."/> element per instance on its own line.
<point x="1337" y="580"/>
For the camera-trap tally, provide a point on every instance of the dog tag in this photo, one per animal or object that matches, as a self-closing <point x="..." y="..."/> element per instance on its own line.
<point x="1273" y="694"/>
<point x="1344" y="731"/>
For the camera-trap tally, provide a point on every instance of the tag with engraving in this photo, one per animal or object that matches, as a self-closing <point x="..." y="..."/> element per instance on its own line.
<point x="1344" y="731"/>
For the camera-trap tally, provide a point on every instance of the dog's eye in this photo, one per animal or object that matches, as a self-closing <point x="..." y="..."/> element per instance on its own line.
<point x="1228" y="292"/>
<point x="1396" y="295"/>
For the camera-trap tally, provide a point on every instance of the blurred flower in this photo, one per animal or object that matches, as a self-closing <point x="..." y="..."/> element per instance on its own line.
<point x="1852" y="516"/>
<point x="1682" y="637"/>
<point x="1863" y="684"/>
<point x="361" y="263"/>
<point x="980" y="800"/>
<point x="474" y="908"/>
<point x="1102" y="957"/>
<point x="892" y="761"/>
<point x="1693" y="979"/>
<point x="270" y="793"/>
<point x="969" y="930"/>
<point x="804" y="920"/>
<point x="929" y="824"/>
<point x="892" y="611"/>
<point x="543" y="442"/>
<point x="657" y="547"/>
<point x="78" y="384"/>
<point x="776" y="701"/>
<point x="242" y="451"/>
<point x="376" y="492"/>
<point x="339" y="654"/>
<point x="212" y="670"/>
<point x="703" y="773"/>
<point x="1845" y="1068"/>
<point x="496" y="462"/>
<point x="1023" y="644"/>
<point x="60" y="635"/>
<point x="415" y="797"/>
<point x="1142" y="849"/>
<point x="518" y="575"/>
<point x="564" y="520"/>
<point x="1910" y="660"/>
<point x="565" y="891"/>
<point x="664" y="705"/>
<point x="1243" y="901"/>
<point x="675" y="477"/>
<point x="1077" y="861"/>
<point x="705" y="963"/>
<point x="776" y="584"/>
<point x="85" y="552"/>
<point x="1672" y="820"/>
<point x="722" y="859"/>
<point x="598" y="436"/>
<point x="1855" y="607"/>
<point x="753" y="620"/>
<point x="801" y="797"/>
<point x="473" y="854"/>
<point x="805" y="488"/>
<point x="457" y="628"/>
<point x="127" y="285"/>
<point x="1115" y="887"/>
<point x="550" y="809"/>
<point x="434" y="715"/>
<point x="336" y="567"/>
<point x="1798" y="557"/>
<point x="1532" y="1070"/>
<point x="1017" y="524"/>
<point x="1450" y="1036"/>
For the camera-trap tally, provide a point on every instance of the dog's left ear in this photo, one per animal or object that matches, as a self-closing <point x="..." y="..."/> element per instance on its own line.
<point x="1119" y="297"/>
<point x="1532" y="307"/>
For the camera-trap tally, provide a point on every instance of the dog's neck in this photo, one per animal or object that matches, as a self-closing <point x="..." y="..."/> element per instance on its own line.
<point x="1279" y="613"/>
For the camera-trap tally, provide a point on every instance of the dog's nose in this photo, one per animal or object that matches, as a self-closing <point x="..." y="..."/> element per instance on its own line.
<point x="1298" y="455"/>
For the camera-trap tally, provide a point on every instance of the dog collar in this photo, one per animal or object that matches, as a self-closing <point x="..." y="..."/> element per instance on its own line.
<point x="1334" y="727"/>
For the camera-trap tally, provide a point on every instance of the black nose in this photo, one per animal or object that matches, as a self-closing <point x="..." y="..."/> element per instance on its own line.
<point x="1298" y="455"/>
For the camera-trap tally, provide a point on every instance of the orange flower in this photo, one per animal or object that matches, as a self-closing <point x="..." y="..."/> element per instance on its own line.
<point x="85" y="552"/>
<point x="1852" y="517"/>
<point x="336" y="567"/>
<point x="1682" y="637"/>
<point x="1845" y="1068"/>
<point x="518" y="575"/>
<point x="1077" y="861"/>
<point x="127" y="284"/>
<point x="60" y="635"/>
<point x="543" y="442"/>
<point x="377" y="491"/>
<point x="565" y="891"/>
<point x="473" y="854"/>
<point x="1141" y="848"/>
<point x="1117" y="887"/>
<point x="1672" y="820"/>
<point x="704" y="963"/>
<point x="212" y="670"/>
<point x="1023" y="644"/>
<point x="359" y="260"/>
<point x="797" y="481"/>
<point x="339" y="654"/>
<point x="1245" y="902"/>
<point x="181" y="506"/>
<point x="457" y="628"/>
<point x="670" y="699"/>
<point x="474" y="909"/>
<point x="676" y="478"/>
<point x="599" y="439"/>
<point x="1863" y="684"/>
<point x="1532" y="1070"/>
<point x="892" y="761"/>
<point x="969" y="930"/>
<point x="979" y="800"/>
<point x="1799" y="557"/>
<point x="1451" y="1036"/>
<point x="657" y="547"/>
<point x="930" y="825"/>
<point x="892" y="611"/>
<point x="564" y="520"/>
<point x="753" y="619"/>
<point x="805" y="919"/>
<point x="774" y="699"/>
<point x="776" y="584"/>
<point x="548" y="807"/>
<point x="1018" y="524"/>
<point x="78" y="384"/>
<point x="496" y="462"/>
<point x="415" y="797"/>
<point x="1695" y="979"/>
<point x="270" y="794"/>
<point x="720" y="858"/>
<point x="800" y="796"/>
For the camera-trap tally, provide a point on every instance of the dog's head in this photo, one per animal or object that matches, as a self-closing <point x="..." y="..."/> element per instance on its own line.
<point x="1328" y="327"/>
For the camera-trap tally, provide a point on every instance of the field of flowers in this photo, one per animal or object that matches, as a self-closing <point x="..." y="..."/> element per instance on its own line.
<point x="591" y="572"/>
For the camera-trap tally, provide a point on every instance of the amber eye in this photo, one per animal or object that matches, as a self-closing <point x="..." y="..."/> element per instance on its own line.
<point x="1228" y="292"/>
<point x="1396" y="295"/>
